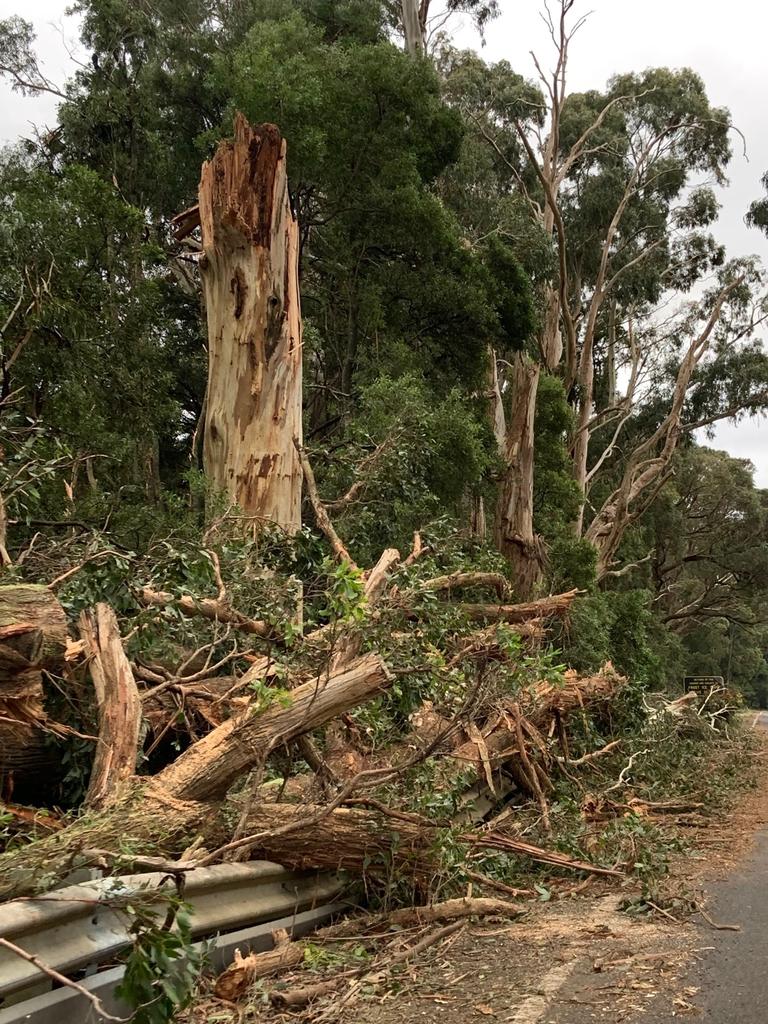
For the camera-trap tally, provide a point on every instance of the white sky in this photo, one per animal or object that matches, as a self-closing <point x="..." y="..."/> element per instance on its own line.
<point x="724" y="43"/>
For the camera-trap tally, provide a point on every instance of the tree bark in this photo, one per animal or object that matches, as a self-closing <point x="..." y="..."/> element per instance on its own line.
<point x="119" y="707"/>
<point x="33" y="637"/>
<point x="412" y="28"/>
<point x="514" y="531"/>
<point x="250" y="281"/>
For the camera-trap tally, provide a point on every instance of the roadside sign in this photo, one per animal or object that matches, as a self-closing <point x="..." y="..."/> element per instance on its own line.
<point x="702" y="684"/>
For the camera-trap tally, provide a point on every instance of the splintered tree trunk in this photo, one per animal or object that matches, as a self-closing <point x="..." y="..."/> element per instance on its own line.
<point x="250" y="281"/>
<point x="514" y="533"/>
<point x="119" y="706"/>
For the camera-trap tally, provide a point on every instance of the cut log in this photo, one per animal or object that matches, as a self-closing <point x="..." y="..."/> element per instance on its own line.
<point x="250" y="280"/>
<point x="118" y="704"/>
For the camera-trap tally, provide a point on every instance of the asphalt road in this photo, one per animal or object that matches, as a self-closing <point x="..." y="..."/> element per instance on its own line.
<point x="727" y="982"/>
<point x="733" y="978"/>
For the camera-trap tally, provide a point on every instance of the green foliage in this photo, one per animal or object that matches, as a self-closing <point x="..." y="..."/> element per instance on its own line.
<point x="345" y="595"/>
<point x="617" y="626"/>
<point x="162" y="968"/>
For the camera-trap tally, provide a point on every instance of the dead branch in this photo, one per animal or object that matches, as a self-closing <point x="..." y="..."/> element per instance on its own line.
<point x="322" y="518"/>
<point x="207" y="608"/>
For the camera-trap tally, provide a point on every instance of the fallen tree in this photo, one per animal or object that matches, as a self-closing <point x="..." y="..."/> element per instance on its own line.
<point x="167" y="811"/>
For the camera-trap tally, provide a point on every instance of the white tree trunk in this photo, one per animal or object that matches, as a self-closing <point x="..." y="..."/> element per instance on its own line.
<point x="412" y="27"/>
<point x="250" y="281"/>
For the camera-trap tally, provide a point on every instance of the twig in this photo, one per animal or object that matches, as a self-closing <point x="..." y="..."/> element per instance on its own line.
<point x="661" y="910"/>
<point x="588" y="758"/>
<point x="714" y="924"/>
<point x="76" y="568"/>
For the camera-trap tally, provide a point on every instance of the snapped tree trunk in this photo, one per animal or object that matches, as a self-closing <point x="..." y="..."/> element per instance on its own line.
<point x="119" y="706"/>
<point x="250" y="282"/>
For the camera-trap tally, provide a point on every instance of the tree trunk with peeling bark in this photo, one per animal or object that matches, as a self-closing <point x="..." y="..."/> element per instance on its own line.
<point x="514" y="531"/>
<point x="413" y="29"/>
<point x="250" y="281"/>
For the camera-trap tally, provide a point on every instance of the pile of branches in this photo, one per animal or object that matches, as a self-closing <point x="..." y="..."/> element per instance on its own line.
<point x="328" y="813"/>
<point x="260" y="751"/>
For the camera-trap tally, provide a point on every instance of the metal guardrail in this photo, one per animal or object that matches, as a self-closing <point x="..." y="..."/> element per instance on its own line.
<point x="66" y="1006"/>
<point x="75" y="928"/>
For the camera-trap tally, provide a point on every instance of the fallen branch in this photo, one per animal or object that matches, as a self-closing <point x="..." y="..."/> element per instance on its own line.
<point x="624" y="774"/>
<point x="538" y="853"/>
<point x="206" y="608"/>
<point x="546" y="607"/>
<point x="467" y="580"/>
<point x="322" y="518"/>
<point x="714" y="924"/>
<point x="589" y="758"/>
<point x="453" y="910"/>
<point x="238" y="977"/>
<point x="298" y="997"/>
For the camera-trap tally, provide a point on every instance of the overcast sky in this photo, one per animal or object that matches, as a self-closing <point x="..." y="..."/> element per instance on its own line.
<point x="725" y="43"/>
